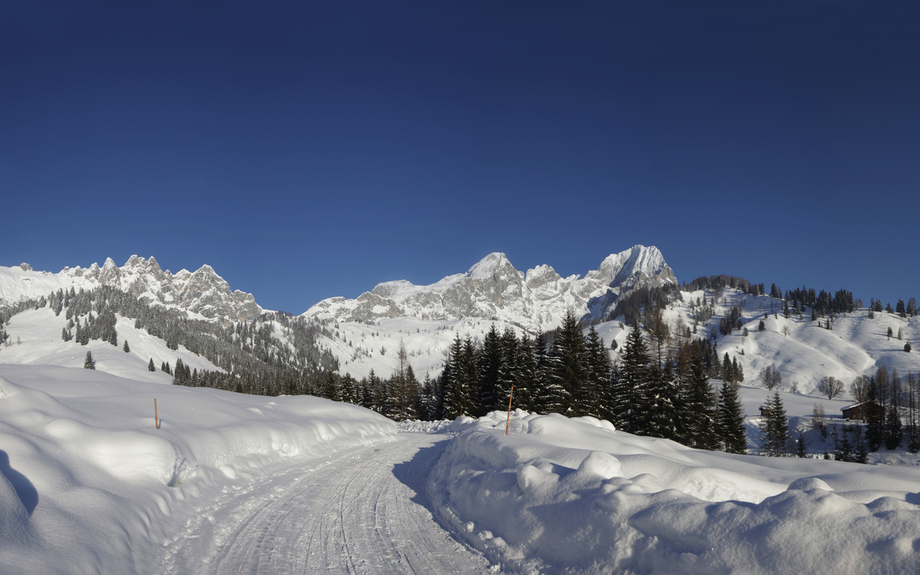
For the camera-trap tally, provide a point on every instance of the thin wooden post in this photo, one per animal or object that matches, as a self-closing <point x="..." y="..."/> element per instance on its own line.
<point x="156" y="417"/>
<point x="508" y="423"/>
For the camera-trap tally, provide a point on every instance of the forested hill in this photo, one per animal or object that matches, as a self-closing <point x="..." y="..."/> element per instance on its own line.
<point x="272" y="354"/>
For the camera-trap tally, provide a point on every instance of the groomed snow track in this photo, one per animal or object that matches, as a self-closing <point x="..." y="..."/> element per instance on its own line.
<point x="360" y="511"/>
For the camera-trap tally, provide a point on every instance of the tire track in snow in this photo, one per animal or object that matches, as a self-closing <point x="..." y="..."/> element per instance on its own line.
<point x="365" y="511"/>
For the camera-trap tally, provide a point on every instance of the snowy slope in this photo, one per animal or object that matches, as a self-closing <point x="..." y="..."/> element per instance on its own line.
<point x="35" y="339"/>
<point x="800" y="349"/>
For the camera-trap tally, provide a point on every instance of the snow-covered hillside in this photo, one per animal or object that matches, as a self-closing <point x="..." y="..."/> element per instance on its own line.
<point x="802" y="350"/>
<point x="35" y="339"/>
<point x="203" y="292"/>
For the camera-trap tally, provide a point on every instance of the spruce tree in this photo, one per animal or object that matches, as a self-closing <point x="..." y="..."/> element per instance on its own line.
<point x="549" y="397"/>
<point x="698" y="408"/>
<point x="912" y="430"/>
<point x="490" y="360"/>
<point x="453" y="393"/>
<point x="731" y="420"/>
<point x="598" y="374"/>
<point x="775" y="427"/>
<point x="126" y="347"/>
<point x="88" y="363"/>
<point x="872" y="413"/>
<point x="661" y="419"/>
<point x="349" y="389"/>
<point x="507" y="369"/>
<point x="634" y="382"/>
<point x="150" y="366"/>
<point x="567" y="367"/>
<point x="525" y="376"/>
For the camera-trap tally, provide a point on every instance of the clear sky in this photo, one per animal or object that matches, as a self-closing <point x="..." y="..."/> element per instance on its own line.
<point x="310" y="151"/>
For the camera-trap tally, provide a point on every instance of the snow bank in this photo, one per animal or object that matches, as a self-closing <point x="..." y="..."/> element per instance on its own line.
<point x="88" y="484"/>
<point x="562" y="495"/>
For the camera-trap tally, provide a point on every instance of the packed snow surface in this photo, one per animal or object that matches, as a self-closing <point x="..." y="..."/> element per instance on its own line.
<point x="88" y="484"/>
<point x="559" y="495"/>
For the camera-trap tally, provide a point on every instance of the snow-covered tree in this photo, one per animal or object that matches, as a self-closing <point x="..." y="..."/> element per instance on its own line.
<point x="775" y="426"/>
<point x="731" y="420"/>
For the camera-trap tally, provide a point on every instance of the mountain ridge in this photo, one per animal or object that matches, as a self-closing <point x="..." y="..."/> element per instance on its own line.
<point x="536" y="299"/>
<point x="202" y="292"/>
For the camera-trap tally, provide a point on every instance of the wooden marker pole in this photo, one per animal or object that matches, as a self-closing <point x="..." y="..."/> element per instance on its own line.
<point x="508" y="423"/>
<point x="156" y="418"/>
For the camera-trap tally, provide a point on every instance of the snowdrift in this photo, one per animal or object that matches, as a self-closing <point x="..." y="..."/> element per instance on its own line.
<point x="561" y="495"/>
<point x="88" y="484"/>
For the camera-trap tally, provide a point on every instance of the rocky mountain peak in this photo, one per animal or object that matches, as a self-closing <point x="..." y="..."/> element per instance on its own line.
<point x="492" y="288"/>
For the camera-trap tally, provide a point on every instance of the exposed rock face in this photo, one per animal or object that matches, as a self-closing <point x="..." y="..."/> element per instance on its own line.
<point x="202" y="292"/>
<point x="493" y="288"/>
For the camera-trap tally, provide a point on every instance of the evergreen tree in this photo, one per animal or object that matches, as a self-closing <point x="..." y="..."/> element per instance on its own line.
<point x="698" y="408"/>
<point x="428" y="400"/>
<point x="349" y="389"/>
<point x="731" y="420"/>
<point x="550" y="397"/>
<point x="490" y="360"/>
<point x="150" y="366"/>
<point x="893" y="431"/>
<point x="634" y="382"/>
<point x="507" y="369"/>
<point x="567" y="367"/>
<point x="775" y="426"/>
<point x="598" y="374"/>
<point x="126" y="347"/>
<point x="862" y="453"/>
<point x="88" y="363"/>
<point x="526" y="375"/>
<point x="332" y="387"/>
<point x="456" y="381"/>
<point x="872" y="410"/>
<point x="912" y="430"/>
<point x="728" y="370"/>
<point x="661" y="411"/>
<point x="843" y="449"/>
<point x="470" y="374"/>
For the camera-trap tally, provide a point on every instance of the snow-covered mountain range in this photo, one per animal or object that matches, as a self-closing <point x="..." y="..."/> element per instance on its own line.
<point x="202" y="292"/>
<point x="535" y="300"/>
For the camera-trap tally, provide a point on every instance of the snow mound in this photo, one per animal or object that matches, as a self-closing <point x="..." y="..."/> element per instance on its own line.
<point x="562" y="495"/>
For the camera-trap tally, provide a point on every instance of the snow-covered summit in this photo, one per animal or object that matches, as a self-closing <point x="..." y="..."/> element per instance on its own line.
<point x="201" y="292"/>
<point x="492" y="288"/>
<point x="492" y="264"/>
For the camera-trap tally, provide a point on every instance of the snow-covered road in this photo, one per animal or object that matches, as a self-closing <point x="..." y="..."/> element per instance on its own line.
<point x="358" y="511"/>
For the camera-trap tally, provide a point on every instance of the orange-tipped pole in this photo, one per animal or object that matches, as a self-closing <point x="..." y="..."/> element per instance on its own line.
<point x="156" y="418"/>
<point x="508" y="423"/>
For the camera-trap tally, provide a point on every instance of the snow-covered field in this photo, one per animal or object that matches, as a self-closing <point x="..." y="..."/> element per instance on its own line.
<point x="88" y="484"/>
<point x="228" y="482"/>
<point x="559" y="495"/>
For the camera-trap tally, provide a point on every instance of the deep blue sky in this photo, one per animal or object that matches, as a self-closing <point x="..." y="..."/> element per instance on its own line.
<point x="306" y="152"/>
